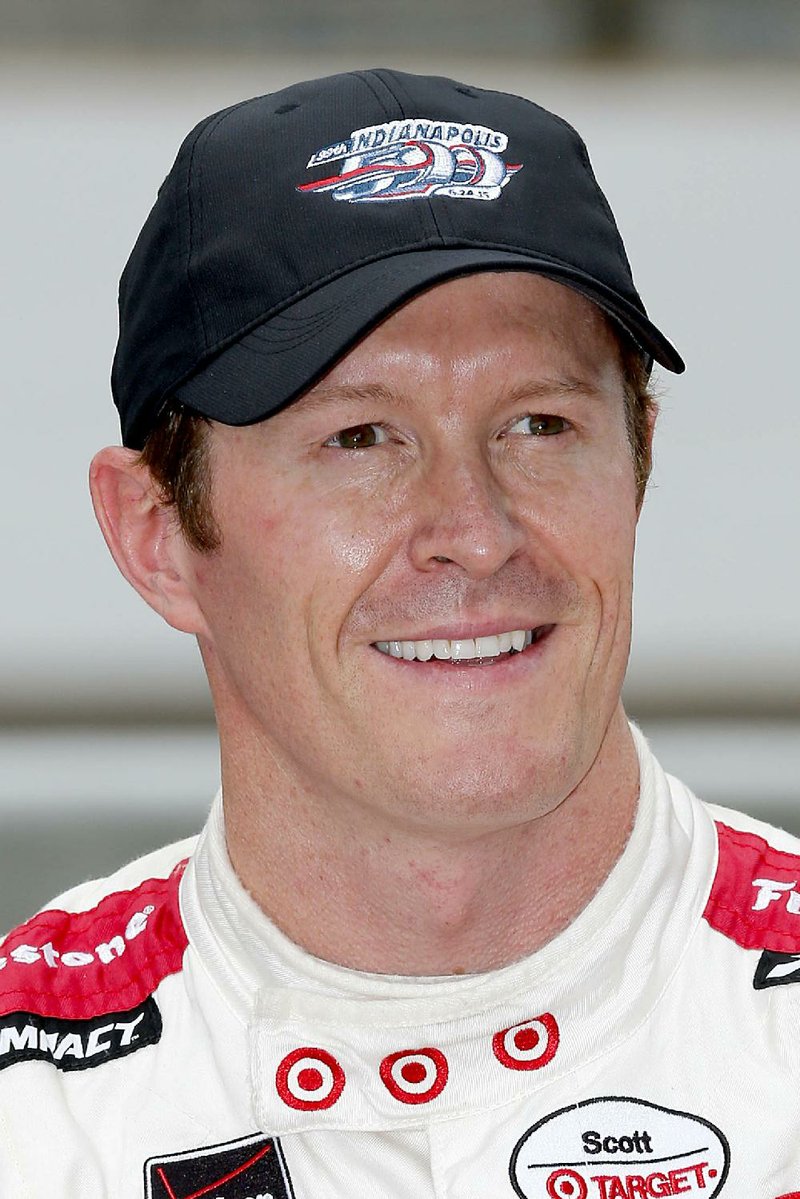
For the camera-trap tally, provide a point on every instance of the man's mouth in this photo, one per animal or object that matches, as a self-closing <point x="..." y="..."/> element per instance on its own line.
<point x="465" y="650"/>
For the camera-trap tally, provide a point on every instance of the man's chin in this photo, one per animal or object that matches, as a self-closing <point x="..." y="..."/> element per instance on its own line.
<point x="477" y="788"/>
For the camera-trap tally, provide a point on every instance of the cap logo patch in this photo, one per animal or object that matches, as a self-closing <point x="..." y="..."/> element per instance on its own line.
<point x="411" y="160"/>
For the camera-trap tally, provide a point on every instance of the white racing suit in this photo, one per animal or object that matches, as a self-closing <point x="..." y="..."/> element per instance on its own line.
<point x="160" y="1038"/>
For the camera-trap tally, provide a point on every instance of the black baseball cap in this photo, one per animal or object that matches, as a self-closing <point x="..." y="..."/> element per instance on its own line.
<point x="291" y="224"/>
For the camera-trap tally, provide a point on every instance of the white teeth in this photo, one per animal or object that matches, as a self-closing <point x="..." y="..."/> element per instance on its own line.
<point x="487" y="647"/>
<point x="459" y="649"/>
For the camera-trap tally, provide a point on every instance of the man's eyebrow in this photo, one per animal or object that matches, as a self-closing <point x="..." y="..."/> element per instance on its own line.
<point x="324" y="394"/>
<point x="529" y="389"/>
<point x="560" y="385"/>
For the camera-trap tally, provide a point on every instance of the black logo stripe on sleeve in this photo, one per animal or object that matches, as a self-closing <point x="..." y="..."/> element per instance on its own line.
<point x="776" y="970"/>
<point x="77" y="1044"/>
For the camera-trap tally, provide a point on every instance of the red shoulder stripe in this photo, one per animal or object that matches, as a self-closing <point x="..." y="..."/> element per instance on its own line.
<point x="76" y="965"/>
<point x="755" y="899"/>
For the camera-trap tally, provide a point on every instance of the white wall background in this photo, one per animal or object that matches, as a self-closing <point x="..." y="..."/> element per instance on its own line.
<point x="702" y="168"/>
<point x="703" y="171"/>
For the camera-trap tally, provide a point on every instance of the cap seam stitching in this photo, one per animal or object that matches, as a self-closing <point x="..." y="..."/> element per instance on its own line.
<point x="190" y="210"/>
<point x="583" y="152"/>
<point x="405" y="111"/>
<point x="367" y="81"/>
<point x="203" y="135"/>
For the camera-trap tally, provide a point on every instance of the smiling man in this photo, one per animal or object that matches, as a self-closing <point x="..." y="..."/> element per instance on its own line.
<point x="450" y="930"/>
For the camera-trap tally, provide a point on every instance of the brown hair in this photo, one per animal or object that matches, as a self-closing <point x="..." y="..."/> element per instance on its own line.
<point x="641" y="410"/>
<point x="177" y="452"/>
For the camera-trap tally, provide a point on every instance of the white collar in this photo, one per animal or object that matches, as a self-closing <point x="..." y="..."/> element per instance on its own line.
<point x="313" y="1025"/>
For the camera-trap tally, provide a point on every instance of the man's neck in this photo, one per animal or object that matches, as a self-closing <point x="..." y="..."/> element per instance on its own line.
<point x="395" y="901"/>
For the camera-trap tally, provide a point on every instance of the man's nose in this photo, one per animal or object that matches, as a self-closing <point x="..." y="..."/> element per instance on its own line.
<point x="465" y="517"/>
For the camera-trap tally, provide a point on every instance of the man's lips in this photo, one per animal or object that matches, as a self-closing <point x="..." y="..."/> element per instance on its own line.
<point x="465" y="650"/>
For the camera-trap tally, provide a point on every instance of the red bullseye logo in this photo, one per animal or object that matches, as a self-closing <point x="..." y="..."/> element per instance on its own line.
<point x="415" y="1075"/>
<point x="309" y="1080"/>
<point x="566" y="1184"/>
<point x="527" y="1046"/>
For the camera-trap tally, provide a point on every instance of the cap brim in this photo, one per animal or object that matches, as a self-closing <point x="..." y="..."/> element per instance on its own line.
<point x="282" y="357"/>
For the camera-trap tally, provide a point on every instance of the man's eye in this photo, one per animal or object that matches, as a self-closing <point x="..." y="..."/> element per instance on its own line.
<point x="539" y="424"/>
<point x="358" y="437"/>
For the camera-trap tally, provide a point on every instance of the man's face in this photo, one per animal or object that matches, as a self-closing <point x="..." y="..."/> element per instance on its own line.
<point x="463" y="473"/>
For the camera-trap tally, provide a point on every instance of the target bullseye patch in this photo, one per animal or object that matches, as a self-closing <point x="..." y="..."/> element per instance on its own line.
<point x="415" y="1075"/>
<point x="309" y="1080"/>
<point x="529" y="1045"/>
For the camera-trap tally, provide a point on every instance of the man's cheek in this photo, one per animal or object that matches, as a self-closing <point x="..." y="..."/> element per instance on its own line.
<point x="351" y="549"/>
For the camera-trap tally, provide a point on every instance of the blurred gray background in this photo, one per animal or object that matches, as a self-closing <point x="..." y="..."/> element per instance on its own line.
<point x="691" y="110"/>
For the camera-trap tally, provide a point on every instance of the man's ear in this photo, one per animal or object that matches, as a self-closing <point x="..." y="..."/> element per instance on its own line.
<point x="143" y="536"/>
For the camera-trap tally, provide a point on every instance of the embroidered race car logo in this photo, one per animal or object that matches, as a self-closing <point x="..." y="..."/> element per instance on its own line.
<point x="408" y="160"/>
<point x="776" y="970"/>
<point x="619" y="1148"/>
<point x="244" y="1169"/>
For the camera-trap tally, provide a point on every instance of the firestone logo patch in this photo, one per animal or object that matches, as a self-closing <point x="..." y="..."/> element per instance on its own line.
<point x="105" y="952"/>
<point x="407" y="160"/>
<point x="619" y="1148"/>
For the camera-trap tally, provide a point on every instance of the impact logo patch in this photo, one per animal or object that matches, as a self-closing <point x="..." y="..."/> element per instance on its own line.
<point x="77" y="1044"/>
<point x="776" y="970"/>
<point x="407" y="160"/>
<point x="251" y="1168"/>
<point x="619" y="1148"/>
